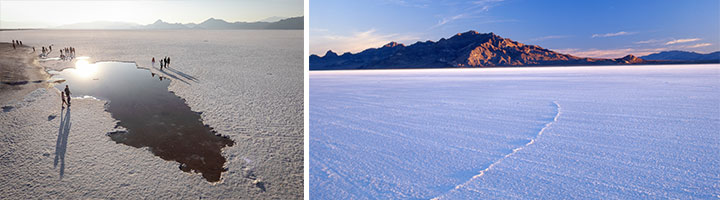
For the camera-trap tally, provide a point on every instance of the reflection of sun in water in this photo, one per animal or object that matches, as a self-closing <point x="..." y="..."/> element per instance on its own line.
<point x="85" y="69"/>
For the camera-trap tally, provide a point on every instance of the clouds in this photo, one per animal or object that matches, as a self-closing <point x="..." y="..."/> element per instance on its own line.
<point x="674" y="43"/>
<point x="641" y="48"/>
<point x="321" y="41"/>
<point x="647" y="41"/>
<point x="486" y="4"/>
<point x="682" y="41"/>
<point x="549" y="37"/>
<point x="419" y="4"/>
<point x="483" y="2"/>
<point x="610" y="53"/>
<point x="612" y="34"/>
<point x="466" y="10"/>
<point x="699" y="45"/>
<point x="447" y="19"/>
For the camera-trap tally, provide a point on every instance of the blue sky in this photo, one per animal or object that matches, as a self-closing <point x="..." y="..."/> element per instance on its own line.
<point x="43" y="14"/>
<point x="582" y="28"/>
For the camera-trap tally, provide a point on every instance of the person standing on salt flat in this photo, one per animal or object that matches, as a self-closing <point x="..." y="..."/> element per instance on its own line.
<point x="67" y="93"/>
<point x="63" y="100"/>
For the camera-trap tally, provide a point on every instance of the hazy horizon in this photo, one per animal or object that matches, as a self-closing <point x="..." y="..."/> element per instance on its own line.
<point x="34" y="14"/>
<point x="110" y="25"/>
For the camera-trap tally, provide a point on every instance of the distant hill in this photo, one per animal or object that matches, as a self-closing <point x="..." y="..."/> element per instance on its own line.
<point x="210" y="24"/>
<point x="289" y="23"/>
<point x="683" y="56"/>
<point x="160" y="24"/>
<point x="469" y="49"/>
<point x="272" y="19"/>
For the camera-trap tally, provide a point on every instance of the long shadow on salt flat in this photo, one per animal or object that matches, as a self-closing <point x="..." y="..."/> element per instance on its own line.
<point x="183" y="74"/>
<point x="62" y="140"/>
<point x="151" y="115"/>
<point x="173" y="76"/>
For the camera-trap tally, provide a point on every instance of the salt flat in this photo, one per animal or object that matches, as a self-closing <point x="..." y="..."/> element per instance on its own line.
<point x="247" y="84"/>
<point x="609" y="132"/>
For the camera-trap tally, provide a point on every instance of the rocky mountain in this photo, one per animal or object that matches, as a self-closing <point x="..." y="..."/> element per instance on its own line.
<point x="469" y="49"/>
<point x="683" y="56"/>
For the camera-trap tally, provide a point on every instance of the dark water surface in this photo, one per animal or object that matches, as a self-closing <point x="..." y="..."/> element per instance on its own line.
<point x="153" y="116"/>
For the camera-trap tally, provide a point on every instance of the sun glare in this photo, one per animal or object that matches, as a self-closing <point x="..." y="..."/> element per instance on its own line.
<point x="85" y="69"/>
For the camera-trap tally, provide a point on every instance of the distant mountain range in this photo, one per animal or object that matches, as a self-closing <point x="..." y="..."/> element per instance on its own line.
<point x="272" y="19"/>
<point x="683" y="56"/>
<point x="469" y="49"/>
<point x="212" y="23"/>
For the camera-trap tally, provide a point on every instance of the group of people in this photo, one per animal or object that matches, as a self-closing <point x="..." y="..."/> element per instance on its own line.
<point x="67" y="53"/>
<point x="165" y="62"/>
<point x="45" y="51"/>
<point x="65" y="95"/>
<point x="16" y="42"/>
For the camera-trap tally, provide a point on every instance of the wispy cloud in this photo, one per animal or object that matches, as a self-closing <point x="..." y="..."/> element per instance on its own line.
<point x="612" y="34"/>
<point x="318" y="30"/>
<point x="471" y="10"/>
<point x="355" y="42"/>
<point x="484" y="5"/>
<point x="639" y="50"/>
<point x="699" y="45"/>
<point x="405" y="3"/>
<point x="485" y="2"/>
<point x="610" y="53"/>
<point x="647" y="41"/>
<point x="670" y="41"/>
<point x="549" y="37"/>
<point x="682" y="41"/>
<point x="447" y="19"/>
